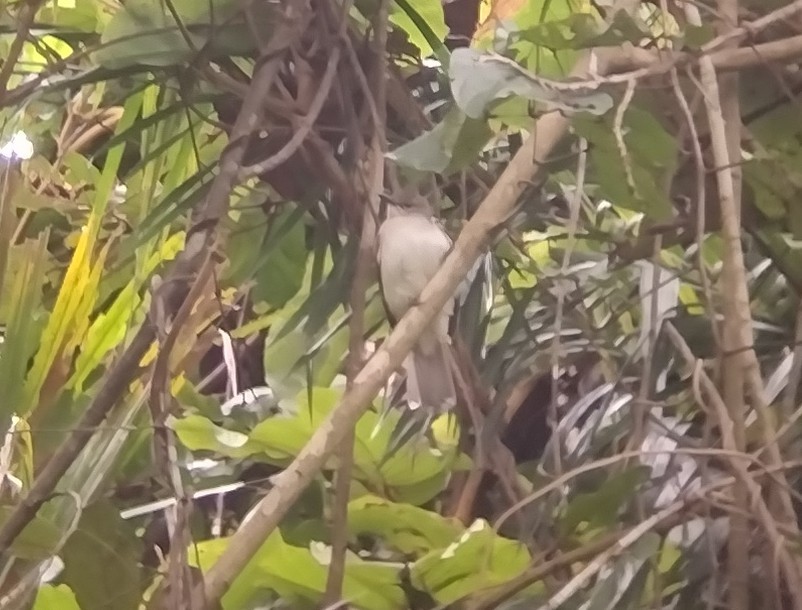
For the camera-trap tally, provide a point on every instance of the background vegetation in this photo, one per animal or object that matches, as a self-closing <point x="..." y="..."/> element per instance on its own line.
<point x="193" y="353"/>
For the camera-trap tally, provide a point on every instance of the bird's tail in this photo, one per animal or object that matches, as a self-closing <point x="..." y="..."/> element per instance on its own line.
<point x="430" y="382"/>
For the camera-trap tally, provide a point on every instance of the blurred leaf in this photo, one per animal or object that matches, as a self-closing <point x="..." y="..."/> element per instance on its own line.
<point x="424" y="23"/>
<point x="49" y="597"/>
<point x="38" y="541"/>
<point x="409" y="529"/>
<point x="23" y="316"/>
<point x="650" y="157"/>
<point x="72" y="294"/>
<point x="101" y="560"/>
<point x="477" y="560"/>
<point x="144" y="32"/>
<point x="479" y="79"/>
<point x="449" y="146"/>
<point x="600" y="508"/>
<point x="198" y="433"/>
<point x="280" y="270"/>
<point x="415" y="473"/>
<point x="621" y="581"/>
<point x="299" y="574"/>
<point x="114" y="324"/>
<point x="696" y="37"/>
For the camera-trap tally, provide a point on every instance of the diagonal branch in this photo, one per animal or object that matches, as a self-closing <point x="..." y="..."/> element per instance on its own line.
<point x="25" y="19"/>
<point x="372" y="179"/>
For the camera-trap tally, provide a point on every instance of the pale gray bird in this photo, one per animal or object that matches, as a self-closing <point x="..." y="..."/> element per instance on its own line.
<point x="412" y="247"/>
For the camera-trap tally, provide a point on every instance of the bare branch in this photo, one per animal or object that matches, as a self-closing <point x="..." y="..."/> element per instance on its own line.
<point x="373" y="179"/>
<point x="25" y="19"/>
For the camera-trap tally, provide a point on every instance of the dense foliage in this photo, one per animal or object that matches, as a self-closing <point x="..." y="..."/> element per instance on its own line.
<point x="187" y="200"/>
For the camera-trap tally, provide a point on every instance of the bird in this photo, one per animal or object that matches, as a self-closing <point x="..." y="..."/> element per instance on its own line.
<point x="412" y="246"/>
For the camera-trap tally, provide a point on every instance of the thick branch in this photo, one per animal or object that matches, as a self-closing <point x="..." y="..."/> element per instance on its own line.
<point x="741" y="366"/>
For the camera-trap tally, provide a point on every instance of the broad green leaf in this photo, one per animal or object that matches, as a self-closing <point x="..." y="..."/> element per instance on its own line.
<point x="145" y="32"/>
<point x="424" y="23"/>
<point x="449" y="146"/>
<point x="38" y="541"/>
<point x="600" y="508"/>
<point x="415" y="473"/>
<point x="407" y="528"/>
<point x="478" y="559"/>
<point x="299" y="574"/>
<point x="480" y="79"/>
<point x="49" y="597"/>
<point x="280" y="270"/>
<point x="198" y="433"/>
<point x="541" y="34"/>
<point x="101" y="560"/>
<point x="649" y="158"/>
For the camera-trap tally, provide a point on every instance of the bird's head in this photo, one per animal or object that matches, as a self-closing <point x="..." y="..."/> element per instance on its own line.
<point x="407" y="201"/>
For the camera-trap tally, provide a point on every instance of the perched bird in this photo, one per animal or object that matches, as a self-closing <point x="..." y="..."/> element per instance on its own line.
<point x="412" y="246"/>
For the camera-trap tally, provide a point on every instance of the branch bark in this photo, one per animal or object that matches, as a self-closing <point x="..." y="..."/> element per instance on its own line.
<point x="742" y="369"/>
<point x="25" y="19"/>
<point x="373" y="179"/>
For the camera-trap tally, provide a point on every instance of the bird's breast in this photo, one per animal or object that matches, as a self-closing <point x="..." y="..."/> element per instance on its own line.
<point x="411" y="250"/>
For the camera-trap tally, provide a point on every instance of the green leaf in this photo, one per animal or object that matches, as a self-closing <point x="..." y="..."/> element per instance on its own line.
<point x="145" y="32"/>
<point x="299" y="574"/>
<point x="480" y="79"/>
<point x="111" y="326"/>
<point x="407" y="528"/>
<point x="49" y="597"/>
<point x="424" y="23"/>
<point x="696" y="36"/>
<point x="24" y="319"/>
<point x="477" y="560"/>
<point x="101" y="560"/>
<point x="623" y="585"/>
<point x="197" y="433"/>
<point x="415" y="473"/>
<point x="281" y="269"/>
<point x="38" y="541"/>
<point x="78" y="287"/>
<point x="772" y="185"/>
<point x="571" y="32"/>
<point x="600" y="508"/>
<point x="449" y="146"/>
<point x="650" y="157"/>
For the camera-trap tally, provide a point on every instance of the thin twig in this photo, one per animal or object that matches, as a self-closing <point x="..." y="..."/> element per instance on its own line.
<point x="373" y="179"/>
<point x="556" y="346"/>
<point x="795" y="374"/>
<point x="25" y="19"/>
<point x="304" y="126"/>
<point x="739" y="469"/>
<point x="595" y="566"/>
